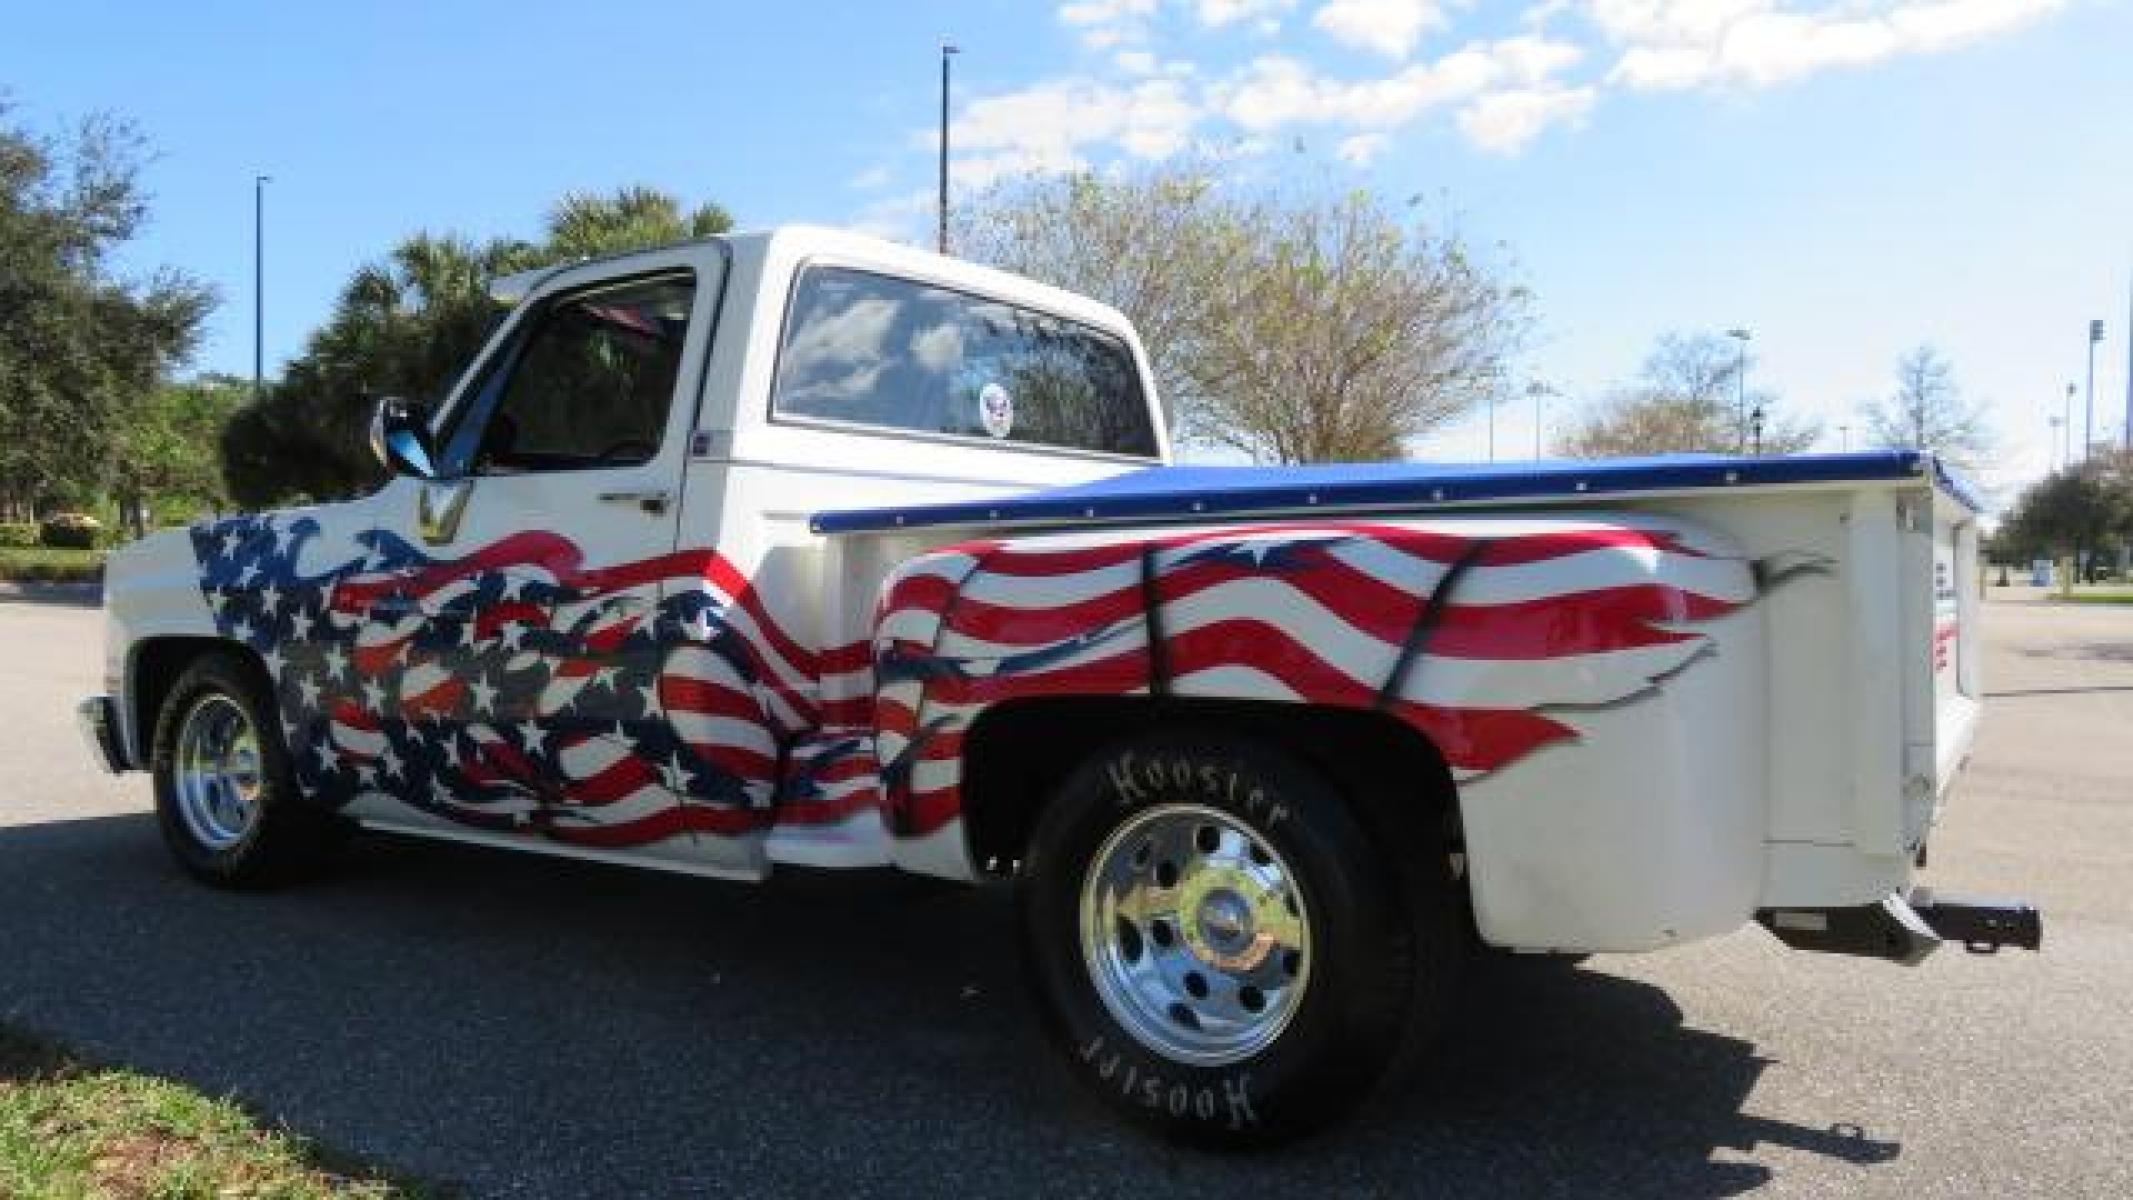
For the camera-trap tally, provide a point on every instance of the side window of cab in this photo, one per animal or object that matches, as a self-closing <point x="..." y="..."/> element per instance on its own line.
<point x="585" y="384"/>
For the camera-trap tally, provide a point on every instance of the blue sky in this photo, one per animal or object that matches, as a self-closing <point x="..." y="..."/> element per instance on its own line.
<point x="1846" y="178"/>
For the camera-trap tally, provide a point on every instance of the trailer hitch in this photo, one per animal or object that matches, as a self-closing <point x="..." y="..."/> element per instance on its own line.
<point x="1982" y="924"/>
<point x="1906" y="929"/>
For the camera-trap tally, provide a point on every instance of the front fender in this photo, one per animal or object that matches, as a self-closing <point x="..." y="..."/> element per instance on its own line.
<point x="151" y="594"/>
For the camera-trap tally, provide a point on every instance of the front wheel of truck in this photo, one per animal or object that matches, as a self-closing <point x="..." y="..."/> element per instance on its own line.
<point x="1216" y="944"/>
<point x="228" y="803"/>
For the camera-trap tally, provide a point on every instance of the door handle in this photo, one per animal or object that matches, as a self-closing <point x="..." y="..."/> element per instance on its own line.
<point x="651" y="500"/>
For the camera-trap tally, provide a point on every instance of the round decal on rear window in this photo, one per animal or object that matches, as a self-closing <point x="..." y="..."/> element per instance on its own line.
<point x="996" y="409"/>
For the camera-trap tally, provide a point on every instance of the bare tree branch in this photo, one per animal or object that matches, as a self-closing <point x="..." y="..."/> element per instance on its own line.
<point x="1308" y="331"/>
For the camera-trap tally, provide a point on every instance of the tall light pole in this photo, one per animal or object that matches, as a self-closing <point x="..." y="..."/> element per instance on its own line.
<point x="2056" y="423"/>
<point x="259" y="285"/>
<point x="948" y="51"/>
<point x="2067" y="448"/>
<point x="2088" y="419"/>
<point x="1537" y="390"/>
<point x="1740" y="385"/>
<point x="1844" y="439"/>
<point x="2128" y="432"/>
<point x="1492" y="425"/>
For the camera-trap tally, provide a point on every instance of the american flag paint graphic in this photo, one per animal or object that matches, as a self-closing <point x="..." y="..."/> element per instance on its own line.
<point x="1465" y="630"/>
<point x="516" y="689"/>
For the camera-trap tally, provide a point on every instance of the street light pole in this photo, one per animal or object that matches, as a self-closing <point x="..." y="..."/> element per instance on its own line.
<point x="1740" y="385"/>
<point x="2055" y="422"/>
<point x="1844" y="439"/>
<point x="2066" y="448"/>
<point x="1492" y="426"/>
<point x="948" y="50"/>
<point x="259" y="285"/>
<point x="1537" y="390"/>
<point x="2088" y="419"/>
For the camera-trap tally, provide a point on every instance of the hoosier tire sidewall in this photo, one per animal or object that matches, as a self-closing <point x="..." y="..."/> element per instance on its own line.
<point x="1336" y="1045"/>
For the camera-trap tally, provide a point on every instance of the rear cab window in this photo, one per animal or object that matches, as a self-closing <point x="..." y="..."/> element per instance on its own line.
<point x="903" y="356"/>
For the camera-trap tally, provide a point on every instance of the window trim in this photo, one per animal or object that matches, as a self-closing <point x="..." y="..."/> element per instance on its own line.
<point x="520" y="331"/>
<point x="866" y="429"/>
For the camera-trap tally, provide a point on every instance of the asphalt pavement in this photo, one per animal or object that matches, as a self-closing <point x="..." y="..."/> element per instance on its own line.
<point x="516" y="1026"/>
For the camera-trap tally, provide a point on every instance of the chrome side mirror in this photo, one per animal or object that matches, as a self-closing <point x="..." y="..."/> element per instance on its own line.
<point x="400" y="439"/>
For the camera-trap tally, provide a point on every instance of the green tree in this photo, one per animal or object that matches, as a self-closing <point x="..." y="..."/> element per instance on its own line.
<point x="79" y="343"/>
<point x="406" y="326"/>
<point x="1686" y="400"/>
<point x="1318" y="329"/>
<point x="166" y="464"/>
<point x="2073" y="514"/>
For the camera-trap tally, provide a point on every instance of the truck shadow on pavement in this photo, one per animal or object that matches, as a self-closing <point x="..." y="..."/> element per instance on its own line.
<point x="514" y="1025"/>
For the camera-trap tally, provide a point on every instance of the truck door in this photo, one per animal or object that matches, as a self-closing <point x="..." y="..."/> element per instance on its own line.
<point x="528" y="624"/>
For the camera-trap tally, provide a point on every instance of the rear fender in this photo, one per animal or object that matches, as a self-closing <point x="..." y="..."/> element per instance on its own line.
<point x="1538" y="655"/>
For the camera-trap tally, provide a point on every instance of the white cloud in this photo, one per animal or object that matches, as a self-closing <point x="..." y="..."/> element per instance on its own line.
<point x="1503" y="122"/>
<point x="1142" y="100"/>
<point x="871" y="179"/>
<point x="1104" y="12"/>
<point x="1530" y="59"/>
<point x="1054" y="126"/>
<point x="976" y="172"/>
<point x="1108" y="23"/>
<point x="1387" y="27"/>
<point x="1670" y="45"/>
<point x="902" y="218"/>
<point x="1216" y="13"/>
<point x="1361" y="149"/>
<point x="1274" y="91"/>
<point x="1944" y="26"/>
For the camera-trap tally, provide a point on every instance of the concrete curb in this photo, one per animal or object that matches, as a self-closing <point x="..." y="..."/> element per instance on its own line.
<point x="82" y="595"/>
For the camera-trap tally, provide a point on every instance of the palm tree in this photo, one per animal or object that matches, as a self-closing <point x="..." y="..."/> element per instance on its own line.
<point x="406" y="325"/>
<point x="589" y="224"/>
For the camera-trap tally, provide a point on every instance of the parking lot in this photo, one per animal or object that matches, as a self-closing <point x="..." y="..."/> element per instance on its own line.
<point x="521" y="1026"/>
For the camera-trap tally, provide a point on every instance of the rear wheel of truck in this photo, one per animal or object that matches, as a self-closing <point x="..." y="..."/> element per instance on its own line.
<point x="228" y="804"/>
<point x="1216" y="944"/>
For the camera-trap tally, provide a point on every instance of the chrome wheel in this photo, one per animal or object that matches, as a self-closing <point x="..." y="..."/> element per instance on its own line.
<point x="217" y="777"/>
<point x="1195" y="934"/>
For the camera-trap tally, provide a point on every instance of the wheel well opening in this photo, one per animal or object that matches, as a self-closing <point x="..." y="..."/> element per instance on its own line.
<point x="158" y="663"/>
<point x="1018" y="753"/>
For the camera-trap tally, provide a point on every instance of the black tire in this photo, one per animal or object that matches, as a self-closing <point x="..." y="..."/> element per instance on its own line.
<point x="1358" y="1002"/>
<point x="289" y="839"/>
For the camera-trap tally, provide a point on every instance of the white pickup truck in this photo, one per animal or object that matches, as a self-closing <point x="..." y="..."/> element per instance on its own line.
<point x="799" y="548"/>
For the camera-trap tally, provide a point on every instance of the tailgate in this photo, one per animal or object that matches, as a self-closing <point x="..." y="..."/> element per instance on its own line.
<point x="1946" y="651"/>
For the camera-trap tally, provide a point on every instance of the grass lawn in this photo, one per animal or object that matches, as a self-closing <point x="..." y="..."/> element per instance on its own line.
<point x="69" y="1129"/>
<point x="2101" y="596"/>
<point x="49" y="564"/>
